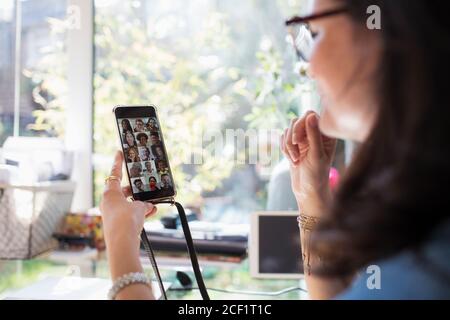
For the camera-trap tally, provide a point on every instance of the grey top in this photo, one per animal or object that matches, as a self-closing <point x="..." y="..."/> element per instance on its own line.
<point x="409" y="275"/>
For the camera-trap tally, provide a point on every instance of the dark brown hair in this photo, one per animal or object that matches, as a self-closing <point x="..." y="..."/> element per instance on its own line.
<point x="394" y="194"/>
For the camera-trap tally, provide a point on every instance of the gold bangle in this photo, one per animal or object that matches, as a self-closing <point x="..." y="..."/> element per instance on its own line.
<point x="307" y="225"/>
<point x="112" y="178"/>
<point x="307" y="222"/>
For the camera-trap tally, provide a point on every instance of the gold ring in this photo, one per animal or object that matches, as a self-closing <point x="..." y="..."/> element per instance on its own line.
<point x="111" y="178"/>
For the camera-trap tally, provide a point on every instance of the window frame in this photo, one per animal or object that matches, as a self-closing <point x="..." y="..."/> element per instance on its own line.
<point x="79" y="113"/>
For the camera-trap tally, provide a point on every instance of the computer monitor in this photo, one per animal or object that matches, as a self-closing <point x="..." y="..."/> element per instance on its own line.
<point x="274" y="246"/>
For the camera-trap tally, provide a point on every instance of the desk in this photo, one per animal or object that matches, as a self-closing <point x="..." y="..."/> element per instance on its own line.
<point x="84" y="262"/>
<point x="220" y="276"/>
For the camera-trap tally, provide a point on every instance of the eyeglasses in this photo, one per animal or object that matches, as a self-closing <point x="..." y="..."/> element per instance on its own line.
<point x="301" y="35"/>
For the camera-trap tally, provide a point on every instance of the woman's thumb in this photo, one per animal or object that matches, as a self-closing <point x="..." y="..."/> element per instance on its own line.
<point x="144" y="207"/>
<point x="314" y="135"/>
<point x="150" y="209"/>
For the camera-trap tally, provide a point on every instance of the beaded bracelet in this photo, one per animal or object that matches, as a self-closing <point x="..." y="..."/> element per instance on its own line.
<point x="125" y="281"/>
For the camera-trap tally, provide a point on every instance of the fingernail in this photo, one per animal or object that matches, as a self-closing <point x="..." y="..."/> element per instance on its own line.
<point x="313" y="121"/>
<point x="294" y="138"/>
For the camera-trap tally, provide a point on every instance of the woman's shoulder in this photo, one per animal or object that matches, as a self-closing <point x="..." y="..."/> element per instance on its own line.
<point x="413" y="274"/>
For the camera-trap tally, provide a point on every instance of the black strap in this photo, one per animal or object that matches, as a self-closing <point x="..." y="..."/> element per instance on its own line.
<point x="151" y="256"/>
<point x="190" y="248"/>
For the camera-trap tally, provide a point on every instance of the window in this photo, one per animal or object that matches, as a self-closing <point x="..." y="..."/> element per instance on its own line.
<point x="6" y="68"/>
<point x="32" y="67"/>
<point x="214" y="67"/>
<point x="209" y="66"/>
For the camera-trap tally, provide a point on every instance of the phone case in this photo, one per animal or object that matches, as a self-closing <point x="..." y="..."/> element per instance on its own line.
<point x="172" y="197"/>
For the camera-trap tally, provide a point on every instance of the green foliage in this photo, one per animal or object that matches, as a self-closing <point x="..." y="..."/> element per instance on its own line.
<point x="135" y="68"/>
<point x="196" y="82"/>
<point x="30" y="272"/>
<point x="277" y="92"/>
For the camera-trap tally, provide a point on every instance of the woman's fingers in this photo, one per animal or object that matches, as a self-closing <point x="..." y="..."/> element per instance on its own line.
<point x="292" y="148"/>
<point x="151" y="210"/>
<point x="116" y="169"/>
<point x="127" y="191"/>
<point x="146" y="208"/>
<point x="113" y="182"/>
<point x="282" y="144"/>
<point x="307" y="134"/>
<point x="299" y="132"/>
<point x="314" y="135"/>
<point x="304" y="136"/>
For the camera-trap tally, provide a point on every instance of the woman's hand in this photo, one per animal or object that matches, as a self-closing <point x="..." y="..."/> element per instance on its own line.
<point x="310" y="154"/>
<point x="122" y="218"/>
<point x="122" y="224"/>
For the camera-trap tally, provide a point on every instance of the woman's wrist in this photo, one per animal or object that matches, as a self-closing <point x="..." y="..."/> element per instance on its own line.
<point x="123" y="255"/>
<point x="123" y="263"/>
<point x="122" y="236"/>
<point x="314" y="204"/>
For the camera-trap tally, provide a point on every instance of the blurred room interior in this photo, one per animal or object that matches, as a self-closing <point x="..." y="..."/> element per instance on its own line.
<point x="207" y="65"/>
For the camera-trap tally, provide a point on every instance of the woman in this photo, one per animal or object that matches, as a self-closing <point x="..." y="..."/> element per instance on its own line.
<point x="151" y="125"/>
<point x="135" y="170"/>
<point x="132" y="155"/>
<point x="153" y="184"/>
<point x="387" y="89"/>
<point x="126" y="126"/>
<point x="130" y="140"/>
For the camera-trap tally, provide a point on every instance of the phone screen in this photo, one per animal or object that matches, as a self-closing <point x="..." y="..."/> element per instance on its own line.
<point x="145" y="153"/>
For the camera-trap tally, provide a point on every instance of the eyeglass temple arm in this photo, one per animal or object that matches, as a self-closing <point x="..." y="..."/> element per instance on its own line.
<point x="296" y="20"/>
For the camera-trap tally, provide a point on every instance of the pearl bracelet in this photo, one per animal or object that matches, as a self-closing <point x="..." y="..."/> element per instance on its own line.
<point x="126" y="280"/>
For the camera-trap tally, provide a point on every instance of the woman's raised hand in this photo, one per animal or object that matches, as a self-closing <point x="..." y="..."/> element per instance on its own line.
<point x="122" y="219"/>
<point x="310" y="154"/>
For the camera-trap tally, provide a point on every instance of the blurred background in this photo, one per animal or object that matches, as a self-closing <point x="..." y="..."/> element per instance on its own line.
<point x="208" y="65"/>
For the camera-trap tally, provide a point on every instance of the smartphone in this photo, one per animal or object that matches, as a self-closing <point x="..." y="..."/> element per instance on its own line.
<point x="145" y="154"/>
